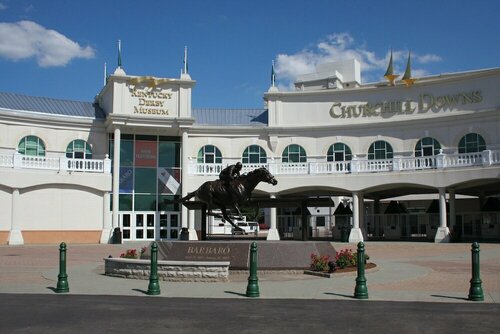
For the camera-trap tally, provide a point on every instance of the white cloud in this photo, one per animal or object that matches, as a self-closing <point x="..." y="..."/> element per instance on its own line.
<point x="342" y="46"/>
<point x="428" y="58"/>
<point x="26" y="39"/>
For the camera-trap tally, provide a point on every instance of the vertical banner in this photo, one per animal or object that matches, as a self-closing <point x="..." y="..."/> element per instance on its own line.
<point x="126" y="180"/>
<point x="169" y="181"/>
<point x="145" y="153"/>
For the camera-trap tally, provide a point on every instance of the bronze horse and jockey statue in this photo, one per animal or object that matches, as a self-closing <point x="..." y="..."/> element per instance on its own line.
<point x="231" y="191"/>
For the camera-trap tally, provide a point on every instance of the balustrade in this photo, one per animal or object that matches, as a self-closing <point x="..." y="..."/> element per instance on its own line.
<point x="440" y="161"/>
<point x="19" y="161"/>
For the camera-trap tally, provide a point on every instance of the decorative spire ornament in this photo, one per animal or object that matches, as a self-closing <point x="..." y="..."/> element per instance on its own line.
<point x="185" y="62"/>
<point x="119" y="53"/>
<point x="389" y="74"/>
<point x="273" y="75"/>
<point x="105" y="74"/>
<point x="407" y="79"/>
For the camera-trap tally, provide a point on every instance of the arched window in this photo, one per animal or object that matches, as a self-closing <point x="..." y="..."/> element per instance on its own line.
<point x="294" y="153"/>
<point x="426" y="147"/>
<point x="254" y="154"/>
<point x="380" y="150"/>
<point x="339" y="152"/>
<point x="470" y="143"/>
<point x="209" y="154"/>
<point x="31" y="145"/>
<point x="78" y="149"/>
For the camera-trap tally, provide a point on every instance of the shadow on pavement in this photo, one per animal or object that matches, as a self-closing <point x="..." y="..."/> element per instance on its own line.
<point x="236" y="293"/>
<point x="449" y="297"/>
<point x="141" y="291"/>
<point x="340" y="295"/>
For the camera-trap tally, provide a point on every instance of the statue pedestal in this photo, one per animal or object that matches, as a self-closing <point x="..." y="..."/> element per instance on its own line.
<point x="272" y="255"/>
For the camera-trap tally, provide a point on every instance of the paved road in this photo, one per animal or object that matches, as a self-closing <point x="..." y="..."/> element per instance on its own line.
<point x="34" y="313"/>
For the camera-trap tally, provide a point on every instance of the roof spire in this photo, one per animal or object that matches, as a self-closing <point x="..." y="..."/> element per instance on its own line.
<point x="407" y="79"/>
<point x="105" y="74"/>
<point x="119" y="70"/>
<point x="184" y="71"/>
<point x="185" y="60"/>
<point x="389" y="74"/>
<point x="273" y="75"/>
<point x="119" y="53"/>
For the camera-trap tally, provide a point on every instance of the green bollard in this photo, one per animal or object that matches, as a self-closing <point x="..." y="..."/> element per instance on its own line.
<point x="154" y="286"/>
<point x="476" y="290"/>
<point x="361" y="291"/>
<point x="62" y="278"/>
<point x="253" y="280"/>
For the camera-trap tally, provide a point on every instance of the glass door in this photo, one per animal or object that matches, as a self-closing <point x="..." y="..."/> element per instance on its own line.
<point x="169" y="225"/>
<point x="138" y="226"/>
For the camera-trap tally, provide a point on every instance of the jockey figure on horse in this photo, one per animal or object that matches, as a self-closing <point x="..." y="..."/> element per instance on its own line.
<point x="230" y="173"/>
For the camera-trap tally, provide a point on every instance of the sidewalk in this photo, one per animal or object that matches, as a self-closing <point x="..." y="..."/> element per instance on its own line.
<point x="405" y="271"/>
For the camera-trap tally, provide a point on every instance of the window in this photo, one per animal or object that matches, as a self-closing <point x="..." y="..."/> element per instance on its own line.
<point x="31" y="145"/>
<point x="254" y="154"/>
<point x="427" y="147"/>
<point x="380" y="150"/>
<point x="339" y="152"/>
<point x="294" y="153"/>
<point x="209" y="154"/>
<point x="470" y="143"/>
<point x="79" y="149"/>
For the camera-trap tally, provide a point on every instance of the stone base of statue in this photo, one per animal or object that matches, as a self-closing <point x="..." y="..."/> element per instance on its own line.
<point x="272" y="255"/>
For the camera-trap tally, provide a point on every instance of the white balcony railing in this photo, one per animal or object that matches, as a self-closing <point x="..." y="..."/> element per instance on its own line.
<point x="19" y="161"/>
<point x="398" y="164"/>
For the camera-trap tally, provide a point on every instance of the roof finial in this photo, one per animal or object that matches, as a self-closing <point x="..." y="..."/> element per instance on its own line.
<point x="389" y="74"/>
<point x="407" y="79"/>
<point x="105" y="74"/>
<point x="185" y="60"/>
<point x="273" y="75"/>
<point x="119" y="70"/>
<point x="119" y="53"/>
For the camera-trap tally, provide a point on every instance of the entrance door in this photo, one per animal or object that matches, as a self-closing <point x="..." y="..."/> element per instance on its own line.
<point x="138" y="226"/>
<point x="169" y="225"/>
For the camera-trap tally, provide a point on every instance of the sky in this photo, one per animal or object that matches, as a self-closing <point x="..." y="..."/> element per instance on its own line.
<point x="57" y="48"/>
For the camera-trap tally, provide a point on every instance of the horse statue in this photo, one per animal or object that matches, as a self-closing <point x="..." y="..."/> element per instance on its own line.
<point x="215" y="194"/>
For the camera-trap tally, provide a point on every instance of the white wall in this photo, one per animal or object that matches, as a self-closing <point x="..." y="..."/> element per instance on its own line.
<point x="56" y="208"/>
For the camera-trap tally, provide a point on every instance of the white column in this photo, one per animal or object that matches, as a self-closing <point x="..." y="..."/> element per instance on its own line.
<point x="361" y="206"/>
<point x="106" y="224"/>
<point x="273" y="231"/>
<point x="191" y="229"/>
<point x="184" y="177"/>
<point x="15" y="235"/>
<point x="116" y="175"/>
<point x="451" y="202"/>
<point x="355" y="235"/>
<point x="443" y="233"/>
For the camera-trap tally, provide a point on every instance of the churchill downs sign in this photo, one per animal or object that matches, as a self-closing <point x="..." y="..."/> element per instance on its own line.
<point x="425" y="103"/>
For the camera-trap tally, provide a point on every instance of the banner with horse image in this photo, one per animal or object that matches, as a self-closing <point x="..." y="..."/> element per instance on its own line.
<point x="169" y="181"/>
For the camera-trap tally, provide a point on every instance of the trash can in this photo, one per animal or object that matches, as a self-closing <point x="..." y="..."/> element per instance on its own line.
<point x="117" y="236"/>
<point x="344" y="237"/>
<point x="184" y="234"/>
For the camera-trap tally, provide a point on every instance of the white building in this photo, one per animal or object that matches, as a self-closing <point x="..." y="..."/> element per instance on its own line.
<point x="74" y="171"/>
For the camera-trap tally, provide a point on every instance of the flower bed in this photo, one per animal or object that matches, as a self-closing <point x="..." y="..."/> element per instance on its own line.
<point x="345" y="261"/>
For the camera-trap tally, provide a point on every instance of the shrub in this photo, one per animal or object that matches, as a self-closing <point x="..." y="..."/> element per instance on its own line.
<point x="345" y="258"/>
<point x="319" y="262"/>
<point x="130" y="254"/>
